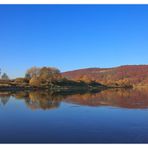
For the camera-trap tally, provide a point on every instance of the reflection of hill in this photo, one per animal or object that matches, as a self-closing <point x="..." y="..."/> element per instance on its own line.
<point x="128" y="98"/>
<point x="125" y="98"/>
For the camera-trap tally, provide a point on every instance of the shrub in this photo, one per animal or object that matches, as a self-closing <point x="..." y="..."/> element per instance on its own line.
<point x="21" y="80"/>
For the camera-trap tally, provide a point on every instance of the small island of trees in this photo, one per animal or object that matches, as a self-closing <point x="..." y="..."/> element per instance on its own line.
<point x="47" y="78"/>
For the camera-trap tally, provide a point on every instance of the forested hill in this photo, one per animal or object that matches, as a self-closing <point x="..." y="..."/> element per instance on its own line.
<point x="128" y="74"/>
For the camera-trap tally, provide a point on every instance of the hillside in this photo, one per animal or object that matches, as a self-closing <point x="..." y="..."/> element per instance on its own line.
<point x="122" y="75"/>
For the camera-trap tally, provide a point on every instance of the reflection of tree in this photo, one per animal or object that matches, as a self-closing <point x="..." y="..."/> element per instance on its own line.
<point x="39" y="99"/>
<point x="21" y="95"/>
<point x="4" y="98"/>
<point x="34" y="100"/>
<point x="43" y="100"/>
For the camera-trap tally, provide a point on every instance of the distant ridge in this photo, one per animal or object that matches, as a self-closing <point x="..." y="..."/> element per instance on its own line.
<point x="130" y="74"/>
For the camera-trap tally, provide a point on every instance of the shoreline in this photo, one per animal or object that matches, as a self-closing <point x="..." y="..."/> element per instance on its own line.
<point x="62" y="89"/>
<point x="17" y="88"/>
<point x="59" y="86"/>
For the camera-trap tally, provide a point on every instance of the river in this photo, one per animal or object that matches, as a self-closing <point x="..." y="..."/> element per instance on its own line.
<point x="109" y="116"/>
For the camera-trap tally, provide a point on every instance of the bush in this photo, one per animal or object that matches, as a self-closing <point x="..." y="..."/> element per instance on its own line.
<point x="21" y="80"/>
<point x="35" y="81"/>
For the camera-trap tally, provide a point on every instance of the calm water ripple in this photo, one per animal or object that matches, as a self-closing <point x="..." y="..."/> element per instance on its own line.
<point x="110" y="116"/>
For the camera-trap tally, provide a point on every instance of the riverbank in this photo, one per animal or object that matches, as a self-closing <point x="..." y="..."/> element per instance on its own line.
<point x="57" y="86"/>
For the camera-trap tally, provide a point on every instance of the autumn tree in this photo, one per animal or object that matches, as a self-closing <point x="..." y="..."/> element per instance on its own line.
<point x="35" y="81"/>
<point x="34" y="71"/>
<point x="49" y="74"/>
<point x="43" y="75"/>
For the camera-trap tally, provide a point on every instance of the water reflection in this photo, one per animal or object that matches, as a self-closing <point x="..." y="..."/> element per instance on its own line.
<point x="125" y="98"/>
<point x="4" y="98"/>
<point x="39" y="99"/>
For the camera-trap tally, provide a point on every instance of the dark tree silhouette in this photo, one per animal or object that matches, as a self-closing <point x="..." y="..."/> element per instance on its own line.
<point x="5" y="76"/>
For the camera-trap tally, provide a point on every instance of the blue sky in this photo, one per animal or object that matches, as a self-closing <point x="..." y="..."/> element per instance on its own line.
<point x="72" y="36"/>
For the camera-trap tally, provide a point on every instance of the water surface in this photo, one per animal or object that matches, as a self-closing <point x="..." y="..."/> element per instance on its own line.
<point x="110" y="116"/>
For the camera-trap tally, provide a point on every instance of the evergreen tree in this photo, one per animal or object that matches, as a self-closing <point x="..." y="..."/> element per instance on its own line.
<point x="5" y="76"/>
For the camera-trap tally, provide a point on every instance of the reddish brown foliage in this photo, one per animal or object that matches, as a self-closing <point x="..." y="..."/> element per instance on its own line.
<point x="129" y="74"/>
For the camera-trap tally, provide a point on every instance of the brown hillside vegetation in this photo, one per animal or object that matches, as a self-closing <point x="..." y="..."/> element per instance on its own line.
<point x="123" y="75"/>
